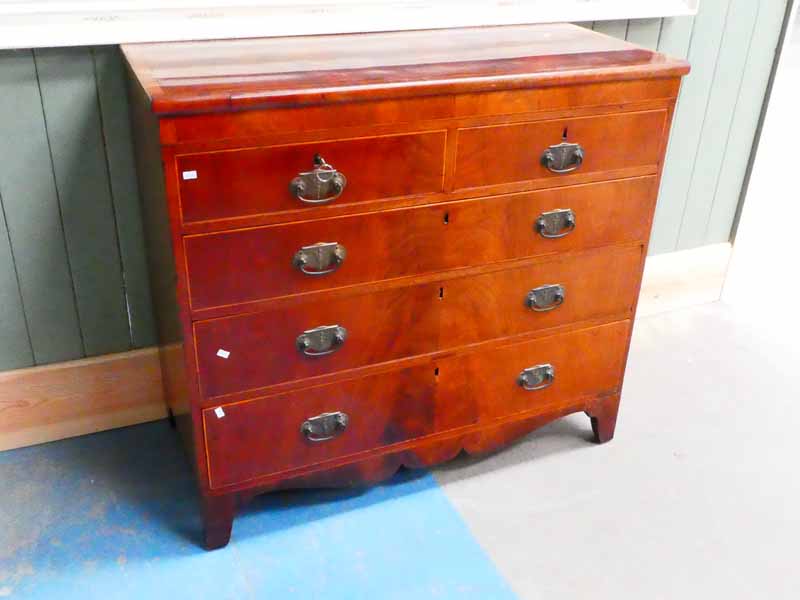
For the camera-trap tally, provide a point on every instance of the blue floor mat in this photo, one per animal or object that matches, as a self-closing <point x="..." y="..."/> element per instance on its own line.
<point x="116" y="515"/>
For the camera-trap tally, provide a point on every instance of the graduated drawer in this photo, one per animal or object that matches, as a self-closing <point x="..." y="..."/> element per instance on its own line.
<point x="606" y="144"/>
<point x="248" y="265"/>
<point x="267" y="436"/>
<point x="249" y="181"/>
<point x="584" y="363"/>
<point x="262" y="349"/>
<point x="261" y="437"/>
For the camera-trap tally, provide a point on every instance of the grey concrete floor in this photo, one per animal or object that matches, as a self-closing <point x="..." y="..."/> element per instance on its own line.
<point x="696" y="497"/>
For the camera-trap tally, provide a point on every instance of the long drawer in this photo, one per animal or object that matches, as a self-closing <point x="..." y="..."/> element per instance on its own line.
<point x="260" y="437"/>
<point x="498" y="154"/>
<point x="248" y="265"/>
<point x="249" y="181"/>
<point x="265" y="348"/>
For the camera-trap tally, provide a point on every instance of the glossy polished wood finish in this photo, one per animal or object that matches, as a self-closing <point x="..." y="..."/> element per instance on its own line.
<point x="248" y="265"/>
<point x="408" y="321"/>
<point x="257" y="73"/>
<point x="395" y="407"/>
<point x="248" y="181"/>
<point x="509" y="153"/>
<point x="440" y="134"/>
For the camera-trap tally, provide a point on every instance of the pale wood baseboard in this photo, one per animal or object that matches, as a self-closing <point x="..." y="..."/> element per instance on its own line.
<point x="52" y="402"/>
<point x="48" y="403"/>
<point x="682" y="279"/>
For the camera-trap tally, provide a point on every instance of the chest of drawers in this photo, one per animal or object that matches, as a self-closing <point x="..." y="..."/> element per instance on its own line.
<point x="378" y="250"/>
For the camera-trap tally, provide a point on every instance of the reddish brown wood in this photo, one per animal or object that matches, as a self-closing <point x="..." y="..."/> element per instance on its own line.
<point x="383" y="410"/>
<point x="440" y="135"/>
<point x="218" y="513"/>
<point x="306" y="123"/>
<point x="603" y="414"/>
<point x="203" y="76"/>
<point x="256" y="180"/>
<point x="408" y="321"/>
<point x="508" y="153"/>
<point x="254" y="264"/>
<point x="395" y="407"/>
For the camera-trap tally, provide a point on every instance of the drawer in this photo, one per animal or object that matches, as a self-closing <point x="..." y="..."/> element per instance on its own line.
<point x="511" y="153"/>
<point x="248" y="265"/>
<point x="237" y="183"/>
<point x="261" y="437"/>
<point x="260" y="349"/>
<point x="584" y="363"/>
<point x="268" y="436"/>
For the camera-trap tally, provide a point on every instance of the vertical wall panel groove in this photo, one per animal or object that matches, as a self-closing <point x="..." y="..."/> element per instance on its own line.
<point x="644" y="32"/>
<point x="15" y="346"/>
<point x="69" y="97"/>
<point x="116" y="128"/>
<point x="725" y="88"/>
<point x="32" y="214"/>
<point x="617" y="29"/>
<point x="746" y="115"/>
<point x="708" y="29"/>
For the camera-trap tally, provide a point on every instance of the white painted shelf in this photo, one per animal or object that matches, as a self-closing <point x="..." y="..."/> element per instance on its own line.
<point x="50" y="23"/>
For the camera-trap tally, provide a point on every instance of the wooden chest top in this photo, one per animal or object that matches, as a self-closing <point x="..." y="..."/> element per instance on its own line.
<point x="224" y="75"/>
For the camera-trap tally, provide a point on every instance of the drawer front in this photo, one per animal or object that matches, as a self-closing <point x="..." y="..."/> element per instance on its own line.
<point x="512" y="153"/>
<point x="261" y="349"/>
<point x="265" y="436"/>
<point x="255" y="264"/>
<point x="268" y="436"/>
<point x="250" y="181"/>
<point x="584" y="363"/>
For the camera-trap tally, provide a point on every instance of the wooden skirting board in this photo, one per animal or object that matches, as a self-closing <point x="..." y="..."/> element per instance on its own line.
<point x="52" y="402"/>
<point x="62" y="400"/>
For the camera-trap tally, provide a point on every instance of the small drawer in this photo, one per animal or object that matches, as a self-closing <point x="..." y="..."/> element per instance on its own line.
<point x="250" y="181"/>
<point x="539" y="374"/>
<point x="249" y="265"/>
<point x="257" y="438"/>
<point x="269" y="347"/>
<point x="604" y="145"/>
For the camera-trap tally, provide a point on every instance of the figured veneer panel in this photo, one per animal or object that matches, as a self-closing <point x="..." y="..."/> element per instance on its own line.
<point x="419" y="319"/>
<point x="261" y="437"/>
<point x="586" y="362"/>
<point x="507" y="153"/>
<point x="249" y="181"/>
<point x="254" y="264"/>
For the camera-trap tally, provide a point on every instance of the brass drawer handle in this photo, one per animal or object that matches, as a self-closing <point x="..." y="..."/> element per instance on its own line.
<point x="537" y="378"/>
<point x="325" y="426"/>
<point x="320" y="258"/>
<point x="545" y="297"/>
<point x="555" y="223"/>
<point x="563" y="158"/>
<point x="321" y="185"/>
<point x="322" y="340"/>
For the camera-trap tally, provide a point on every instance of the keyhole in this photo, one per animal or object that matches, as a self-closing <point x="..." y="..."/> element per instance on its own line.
<point x="436" y="372"/>
<point x="441" y="293"/>
<point x="446" y="218"/>
<point x="564" y="134"/>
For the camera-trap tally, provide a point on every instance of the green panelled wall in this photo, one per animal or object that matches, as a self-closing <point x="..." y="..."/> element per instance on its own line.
<point x="73" y="278"/>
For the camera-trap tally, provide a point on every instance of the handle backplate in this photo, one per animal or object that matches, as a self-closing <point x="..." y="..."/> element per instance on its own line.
<point x="325" y="426"/>
<point x="537" y="378"/>
<point x="555" y="223"/>
<point x="320" y="258"/>
<point x="322" y="340"/>
<point x="545" y="297"/>
<point x="320" y="185"/>
<point x="563" y="158"/>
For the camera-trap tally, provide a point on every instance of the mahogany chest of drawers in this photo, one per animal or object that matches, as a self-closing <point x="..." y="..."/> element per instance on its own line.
<point x="378" y="250"/>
